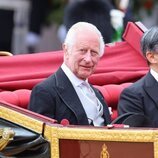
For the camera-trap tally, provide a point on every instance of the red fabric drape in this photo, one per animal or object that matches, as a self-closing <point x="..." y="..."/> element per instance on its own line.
<point x="122" y="62"/>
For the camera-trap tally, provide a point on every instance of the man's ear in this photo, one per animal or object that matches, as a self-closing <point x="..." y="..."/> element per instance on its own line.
<point x="65" y="51"/>
<point x="65" y="48"/>
<point x="151" y="58"/>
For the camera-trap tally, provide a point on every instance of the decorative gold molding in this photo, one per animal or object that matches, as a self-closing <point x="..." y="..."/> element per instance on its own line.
<point x="55" y="133"/>
<point x="21" y="119"/>
<point x="127" y="135"/>
<point x="5" y="53"/>
<point x="6" y="134"/>
<point x="156" y="145"/>
<point x="51" y="134"/>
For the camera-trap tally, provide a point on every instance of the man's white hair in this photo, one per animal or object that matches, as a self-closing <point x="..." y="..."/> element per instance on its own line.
<point x="70" y="37"/>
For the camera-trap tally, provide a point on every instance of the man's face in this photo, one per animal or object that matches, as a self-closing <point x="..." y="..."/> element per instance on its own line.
<point x="152" y="58"/>
<point x="83" y="56"/>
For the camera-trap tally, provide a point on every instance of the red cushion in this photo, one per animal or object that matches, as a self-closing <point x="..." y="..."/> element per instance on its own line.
<point x="18" y="97"/>
<point x="23" y="97"/>
<point x="111" y="95"/>
<point x="114" y="114"/>
<point x="9" y="97"/>
<point x="110" y="92"/>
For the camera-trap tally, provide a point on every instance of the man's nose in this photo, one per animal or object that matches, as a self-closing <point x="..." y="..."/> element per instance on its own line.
<point x="88" y="56"/>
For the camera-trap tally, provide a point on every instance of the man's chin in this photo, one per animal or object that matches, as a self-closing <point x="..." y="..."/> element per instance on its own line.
<point x="84" y="76"/>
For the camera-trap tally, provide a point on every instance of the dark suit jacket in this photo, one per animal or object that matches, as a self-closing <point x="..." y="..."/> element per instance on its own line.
<point x="56" y="98"/>
<point x="141" y="97"/>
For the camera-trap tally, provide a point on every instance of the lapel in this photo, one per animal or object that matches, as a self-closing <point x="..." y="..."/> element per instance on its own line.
<point x="151" y="87"/>
<point x="106" y="113"/>
<point x="67" y="92"/>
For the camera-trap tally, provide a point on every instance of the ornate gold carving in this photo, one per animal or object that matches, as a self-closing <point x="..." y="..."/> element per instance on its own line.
<point x="100" y="134"/>
<point x="104" y="153"/>
<point x="127" y="135"/>
<point x="6" y="134"/>
<point x="51" y="134"/>
<point x="156" y="146"/>
<point x="21" y="119"/>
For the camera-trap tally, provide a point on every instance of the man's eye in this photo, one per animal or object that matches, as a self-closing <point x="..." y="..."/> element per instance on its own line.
<point x="94" y="53"/>
<point x="82" y="50"/>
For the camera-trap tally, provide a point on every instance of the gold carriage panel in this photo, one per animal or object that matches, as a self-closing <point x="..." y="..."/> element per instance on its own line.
<point x="86" y="141"/>
<point x="95" y="142"/>
<point x="21" y="133"/>
<point x="20" y="117"/>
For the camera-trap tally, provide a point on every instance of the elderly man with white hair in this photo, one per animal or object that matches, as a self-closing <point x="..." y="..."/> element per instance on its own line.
<point x="67" y="94"/>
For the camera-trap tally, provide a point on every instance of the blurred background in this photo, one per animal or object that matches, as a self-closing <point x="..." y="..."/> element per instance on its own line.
<point x="32" y="26"/>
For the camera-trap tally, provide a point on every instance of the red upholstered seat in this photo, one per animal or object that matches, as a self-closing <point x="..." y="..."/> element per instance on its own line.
<point x="19" y="97"/>
<point x="110" y="92"/>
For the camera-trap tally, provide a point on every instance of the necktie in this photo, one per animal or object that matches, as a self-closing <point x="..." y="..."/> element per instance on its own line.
<point x="87" y="90"/>
<point x="95" y="109"/>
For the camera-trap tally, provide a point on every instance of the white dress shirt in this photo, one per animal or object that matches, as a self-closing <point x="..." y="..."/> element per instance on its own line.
<point x="154" y="74"/>
<point x="93" y="109"/>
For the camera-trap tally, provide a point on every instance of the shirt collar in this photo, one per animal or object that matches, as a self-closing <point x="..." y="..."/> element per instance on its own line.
<point x="154" y="74"/>
<point x="73" y="79"/>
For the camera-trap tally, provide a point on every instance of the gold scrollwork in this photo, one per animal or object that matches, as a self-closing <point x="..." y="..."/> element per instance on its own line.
<point x="104" y="153"/>
<point x="6" y="134"/>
